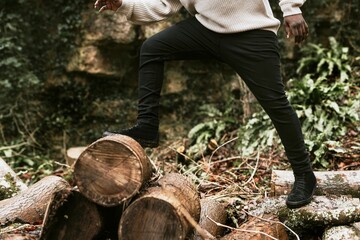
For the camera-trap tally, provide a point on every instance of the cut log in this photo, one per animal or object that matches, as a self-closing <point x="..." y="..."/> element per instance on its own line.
<point x="259" y="229"/>
<point x="72" y="154"/>
<point x="329" y="183"/>
<point x="163" y="211"/>
<point x="212" y="212"/>
<point x="29" y="206"/>
<point x="4" y="171"/>
<point x="72" y="216"/>
<point x="112" y="170"/>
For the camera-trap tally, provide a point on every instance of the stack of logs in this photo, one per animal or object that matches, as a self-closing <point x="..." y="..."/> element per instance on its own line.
<point x="117" y="198"/>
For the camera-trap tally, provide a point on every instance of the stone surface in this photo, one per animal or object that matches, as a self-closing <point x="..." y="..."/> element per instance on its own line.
<point x="107" y="26"/>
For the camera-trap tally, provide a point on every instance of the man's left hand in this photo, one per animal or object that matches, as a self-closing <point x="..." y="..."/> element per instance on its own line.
<point x="296" y="26"/>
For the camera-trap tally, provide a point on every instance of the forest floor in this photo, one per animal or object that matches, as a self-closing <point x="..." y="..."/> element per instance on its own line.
<point x="223" y="174"/>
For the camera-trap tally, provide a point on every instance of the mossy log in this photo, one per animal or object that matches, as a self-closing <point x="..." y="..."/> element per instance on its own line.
<point x="112" y="170"/>
<point x="29" y="206"/>
<point x="72" y="216"/>
<point x="5" y="170"/>
<point x="212" y="212"/>
<point x="329" y="183"/>
<point x="341" y="232"/>
<point x="323" y="211"/>
<point x="162" y="211"/>
<point x="259" y="229"/>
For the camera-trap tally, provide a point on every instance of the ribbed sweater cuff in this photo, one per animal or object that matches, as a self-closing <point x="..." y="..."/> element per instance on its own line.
<point x="291" y="8"/>
<point x="125" y="8"/>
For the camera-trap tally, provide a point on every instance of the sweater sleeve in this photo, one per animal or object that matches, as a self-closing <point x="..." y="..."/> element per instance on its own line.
<point x="146" y="11"/>
<point x="291" y="7"/>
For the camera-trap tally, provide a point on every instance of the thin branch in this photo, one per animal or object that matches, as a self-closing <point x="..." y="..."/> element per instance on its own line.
<point x="13" y="146"/>
<point x="231" y="140"/>
<point x="255" y="169"/>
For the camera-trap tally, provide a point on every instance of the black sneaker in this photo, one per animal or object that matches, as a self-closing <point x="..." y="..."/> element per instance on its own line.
<point x="147" y="136"/>
<point x="302" y="191"/>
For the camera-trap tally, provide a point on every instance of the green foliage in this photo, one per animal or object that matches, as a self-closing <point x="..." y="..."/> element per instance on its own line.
<point x="215" y="124"/>
<point x="33" y="35"/>
<point x="324" y="98"/>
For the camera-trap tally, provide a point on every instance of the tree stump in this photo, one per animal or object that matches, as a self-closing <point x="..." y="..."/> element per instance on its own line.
<point x="29" y="206"/>
<point x="72" y="154"/>
<point x="211" y="211"/>
<point x="329" y="183"/>
<point x="163" y="211"/>
<point x="112" y="170"/>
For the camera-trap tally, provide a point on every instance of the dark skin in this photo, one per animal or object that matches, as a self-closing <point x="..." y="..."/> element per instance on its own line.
<point x="103" y="5"/>
<point x="295" y="25"/>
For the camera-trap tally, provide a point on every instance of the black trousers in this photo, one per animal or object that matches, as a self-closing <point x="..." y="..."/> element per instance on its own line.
<point x="254" y="55"/>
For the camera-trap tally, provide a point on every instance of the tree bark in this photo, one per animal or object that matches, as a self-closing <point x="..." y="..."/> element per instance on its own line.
<point x="29" y="206"/>
<point x="112" y="170"/>
<point x="162" y="211"/>
<point x="329" y="183"/>
<point x="212" y="211"/>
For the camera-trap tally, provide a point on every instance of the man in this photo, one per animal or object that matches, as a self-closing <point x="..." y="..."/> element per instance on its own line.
<point x="240" y="33"/>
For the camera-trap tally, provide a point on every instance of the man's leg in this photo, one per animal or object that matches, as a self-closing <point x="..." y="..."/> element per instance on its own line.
<point x="185" y="40"/>
<point x="254" y="55"/>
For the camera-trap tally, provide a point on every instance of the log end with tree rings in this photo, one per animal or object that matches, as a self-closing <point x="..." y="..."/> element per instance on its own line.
<point x="112" y="170"/>
<point x="161" y="212"/>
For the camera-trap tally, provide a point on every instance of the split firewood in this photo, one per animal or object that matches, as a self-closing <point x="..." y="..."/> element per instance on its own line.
<point x="72" y="154"/>
<point x="267" y="227"/>
<point x="112" y="170"/>
<point x="213" y="216"/>
<point x="162" y="211"/>
<point x="329" y="183"/>
<point x="29" y="205"/>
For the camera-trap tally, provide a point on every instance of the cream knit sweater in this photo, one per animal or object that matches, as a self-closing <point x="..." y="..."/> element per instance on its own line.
<point x="223" y="16"/>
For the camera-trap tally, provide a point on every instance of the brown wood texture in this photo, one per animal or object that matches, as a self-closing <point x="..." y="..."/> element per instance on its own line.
<point x="29" y="206"/>
<point x="212" y="211"/>
<point x="329" y="182"/>
<point x="158" y="213"/>
<point x="71" y="216"/>
<point x="112" y="170"/>
<point x="259" y="229"/>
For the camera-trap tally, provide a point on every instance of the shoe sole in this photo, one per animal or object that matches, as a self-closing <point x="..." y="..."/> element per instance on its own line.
<point x="144" y="143"/>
